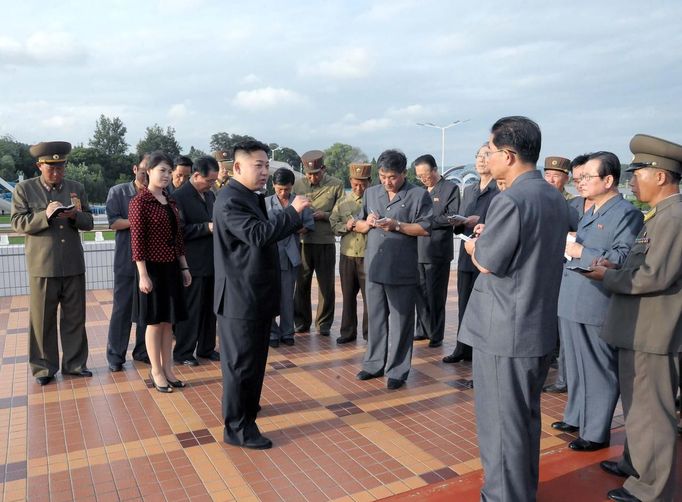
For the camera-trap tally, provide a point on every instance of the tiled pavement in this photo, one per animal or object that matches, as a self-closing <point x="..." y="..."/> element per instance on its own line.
<point x="112" y="437"/>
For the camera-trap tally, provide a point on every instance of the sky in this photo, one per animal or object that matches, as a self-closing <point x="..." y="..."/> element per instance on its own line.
<point x="309" y="74"/>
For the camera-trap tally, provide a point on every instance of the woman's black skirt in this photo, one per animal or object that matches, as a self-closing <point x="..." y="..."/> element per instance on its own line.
<point x="166" y="301"/>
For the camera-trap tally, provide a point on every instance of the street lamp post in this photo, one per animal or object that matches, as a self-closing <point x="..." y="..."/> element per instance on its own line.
<point x="442" y="137"/>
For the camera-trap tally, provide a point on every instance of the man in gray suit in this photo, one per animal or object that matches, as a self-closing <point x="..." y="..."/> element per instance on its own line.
<point x="511" y="319"/>
<point x="644" y="321"/>
<point x="394" y="214"/>
<point x="607" y="230"/>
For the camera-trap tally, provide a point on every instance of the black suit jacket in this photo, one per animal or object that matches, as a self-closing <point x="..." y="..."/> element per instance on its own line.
<point x="474" y="202"/>
<point x="195" y="215"/>
<point x="247" y="274"/>
<point x="438" y="247"/>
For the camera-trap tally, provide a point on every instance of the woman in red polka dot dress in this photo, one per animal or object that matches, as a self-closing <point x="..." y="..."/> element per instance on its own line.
<point x="158" y="251"/>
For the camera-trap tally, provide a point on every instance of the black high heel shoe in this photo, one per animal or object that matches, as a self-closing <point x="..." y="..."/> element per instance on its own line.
<point x="165" y="390"/>
<point x="178" y="384"/>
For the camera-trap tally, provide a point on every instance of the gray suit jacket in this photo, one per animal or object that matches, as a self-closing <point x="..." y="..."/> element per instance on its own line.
<point x="289" y="248"/>
<point x="118" y="199"/>
<point x="391" y="257"/>
<point x="512" y="311"/>
<point x="610" y="232"/>
<point x="438" y="247"/>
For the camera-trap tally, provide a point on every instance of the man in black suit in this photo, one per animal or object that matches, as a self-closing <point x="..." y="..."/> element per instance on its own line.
<point x="247" y="287"/>
<point x="195" y="203"/>
<point x="435" y="252"/>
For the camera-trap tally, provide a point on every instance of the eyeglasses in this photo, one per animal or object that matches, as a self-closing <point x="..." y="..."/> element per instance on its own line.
<point x="490" y="152"/>
<point x="586" y="177"/>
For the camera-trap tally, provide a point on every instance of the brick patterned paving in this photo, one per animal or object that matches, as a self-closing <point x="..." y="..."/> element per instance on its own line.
<point x="112" y="437"/>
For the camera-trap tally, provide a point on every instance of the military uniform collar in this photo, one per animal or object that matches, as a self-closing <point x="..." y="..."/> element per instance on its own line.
<point x="49" y="187"/>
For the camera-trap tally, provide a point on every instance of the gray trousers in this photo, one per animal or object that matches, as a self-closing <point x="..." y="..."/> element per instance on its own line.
<point x="432" y="294"/>
<point x="648" y="384"/>
<point x="120" y="322"/>
<point x="391" y="329"/>
<point x="48" y="293"/>
<point x="285" y="328"/>
<point x="507" y="399"/>
<point x="592" y="379"/>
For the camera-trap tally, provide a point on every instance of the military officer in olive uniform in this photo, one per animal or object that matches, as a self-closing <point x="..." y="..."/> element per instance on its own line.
<point x="644" y="321"/>
<point x="55" y="262"/>
<point x="225" y="164"/>
<point x="352" y="256"/>
<point x="318" y="248"/>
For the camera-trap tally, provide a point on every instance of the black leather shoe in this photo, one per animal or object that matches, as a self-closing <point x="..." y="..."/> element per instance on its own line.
<point x="622" y="495"/>
<point x="324" y="333"/>
<point x="564" y="427"/>
<point x="301" y="329"/>
<point x="273" y="343"/>
<point x="346" y="339"/>
<point x="433" y="344"/>
<point x="679" y="429"/>
<point x="394" y="383"/>
<point x="142" y="360"/>
<point x="190" y="361"/>
<point x="164" y="390"/>
<point x="44" y="380"/>
<point x="612" y="468"/>
<point x="366" y="375"/>
<point x="115" y="367"/>
<point x="555" y="389"/>
<point x="289" y="341"/>
<point x="452" y="358"/>
<point x="419" y="338"/>
<point x="213" y="356"/>
<point x="81" y="373"/>
<point x="257" y="443"/>
<point x="581" y="444"/>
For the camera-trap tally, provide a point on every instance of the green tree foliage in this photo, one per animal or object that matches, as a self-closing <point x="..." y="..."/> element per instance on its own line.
<point x="337" y="158"/>
<point x="288" y="155"/>
<point x="157" y="139"/>
<point x="8" y="169"/>
<point x="91" y="178"/>
<point x="225" y="141"/>
<point x="111" y="167"/>
<point x="195" y="153"/>
<point x="23" y="162"/>
<point x="109" y="137"/>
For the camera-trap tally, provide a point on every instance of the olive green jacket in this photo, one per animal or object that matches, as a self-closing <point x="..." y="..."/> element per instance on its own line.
<point x="53" y="247"/>
<point x="352" y="243"/>
<point x="323" y="197"/>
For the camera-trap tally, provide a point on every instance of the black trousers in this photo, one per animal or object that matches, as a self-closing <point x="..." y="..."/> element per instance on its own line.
<point x="465" y="285"/>
<point x="120" y="322"/>
<point x="244" y="352"/>
<point x="320" y="259"/>
<point x="431" y="297"/>
<point x="199" y="330"/>
<point x="352" y="275"/>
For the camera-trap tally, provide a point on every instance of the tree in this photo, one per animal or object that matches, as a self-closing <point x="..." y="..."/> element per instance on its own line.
<point x="224" y="141"/>
<point x="91" y="178"/>
<point x="8" y="170"/>
<point x="111" y="167"/>
<point x="109" y="137"/>
<point x="156" y="139"/>
<point x="288" y="155"/>
<point x="195" y="153"/>
<point x="337" y="158"/>
<point x="23" y="161"/>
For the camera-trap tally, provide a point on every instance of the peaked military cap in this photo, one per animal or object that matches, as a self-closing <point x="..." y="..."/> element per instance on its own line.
<point x="313" y="161"/>
<point x="362" y="171"/>
<point x="650" y="151"/>
<point x="51" y="152"/>
<point x="558" y="164"/>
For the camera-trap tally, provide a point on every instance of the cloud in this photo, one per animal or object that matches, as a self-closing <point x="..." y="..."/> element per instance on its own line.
<point x="179" y="5"/>
<point x="267" y="97"/>
<point x="42" y="48"/>
<point x="251" y="79"/>
<point x="351" y="63"/>
<point x="58" y="122"/>
<point x="178" y="112"/>
<point x="385" y="10"/>
<point x="410" y="112"/>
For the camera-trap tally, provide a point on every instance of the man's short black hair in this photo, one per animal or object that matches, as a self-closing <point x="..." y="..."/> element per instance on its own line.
<point x="250" y="146"/>
<point x="181" y="160"/>
<point x="283" y="176"/>
<point x="580" y="160"/>
<point x="392" y="160"/>
<point x="609" y="164"/>
<point x="426" y="159"/>
<point x="205" y="165"/>
<point x="520" y="134"/>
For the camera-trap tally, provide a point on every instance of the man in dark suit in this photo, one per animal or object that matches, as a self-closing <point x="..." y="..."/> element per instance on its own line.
<point x="435" y="252"/>
<point x="511" y="318"/>
<point x="247" y="287"/>
<point x="195" y="203"/>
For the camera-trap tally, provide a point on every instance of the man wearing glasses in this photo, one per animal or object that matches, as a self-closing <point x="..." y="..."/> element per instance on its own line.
<point x="51" y="210"/>
<point x="511" y="317"/>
